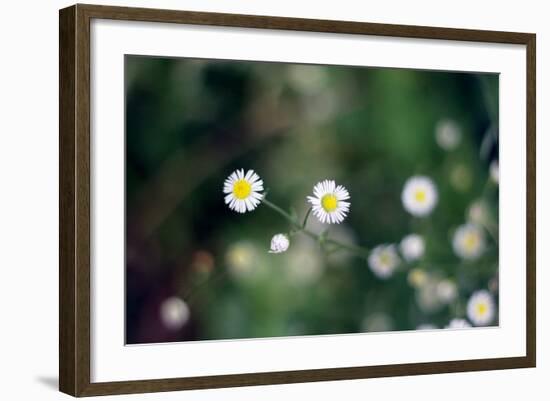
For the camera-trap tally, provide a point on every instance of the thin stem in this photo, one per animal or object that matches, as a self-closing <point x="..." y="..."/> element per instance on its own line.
<point x="305" y="218"/>
<point x="280" y="211"/>
<point x="319" y="238"/>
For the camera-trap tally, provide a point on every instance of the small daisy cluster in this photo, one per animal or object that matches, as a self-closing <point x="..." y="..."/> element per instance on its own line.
<point x="329" y="203"/>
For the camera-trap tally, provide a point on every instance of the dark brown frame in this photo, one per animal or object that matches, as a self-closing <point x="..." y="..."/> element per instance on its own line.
<point x="74" y="202"/>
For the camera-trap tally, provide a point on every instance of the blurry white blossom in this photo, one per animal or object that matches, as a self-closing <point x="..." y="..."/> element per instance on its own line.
<point x="377" y="322"/>
<point x="478" y="212"/>
<point x="174" y="313"/>
<point x="458" y="324"/>
<point x="419" y="196"/>
<point x="279" y="243"/>
<point x="417" y="277"/>
<point x="469" y="241"/>
<point x="412" y="247"/>
<point x="494" y="171"/>
<point x="309" y="79"/>
<point x="427" y="296"/>
<point x="383" y="260"/>
<point x="448" y="134"/>
<point x="305" y="265"/>
<point x="241" y="258"/>
<point x="447" y="291"/>
<point x="481" y="308"/>
<point x="427" y="326"/>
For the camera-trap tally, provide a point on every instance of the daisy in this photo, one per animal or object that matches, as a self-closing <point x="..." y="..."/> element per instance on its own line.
<point x="481" y="308"/>
<point x="458" y="324"/>
<point x="383" y="260"/>
<point x="329" y="203"/>
<point x="412" y="247"/>
<point x="174" y="313"/>
<point x="447" y="134"/>
<point x="468" y="241"/>
<point x="419" y="196"/>
<point x="279" y="243"/>
<point x="243" y="191"/>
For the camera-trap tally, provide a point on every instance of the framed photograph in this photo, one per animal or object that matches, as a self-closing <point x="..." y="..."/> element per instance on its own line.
<point x="250" y="200"/>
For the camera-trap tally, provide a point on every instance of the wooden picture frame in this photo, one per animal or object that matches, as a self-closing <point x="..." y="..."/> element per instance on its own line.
<point x="74" y="206"/>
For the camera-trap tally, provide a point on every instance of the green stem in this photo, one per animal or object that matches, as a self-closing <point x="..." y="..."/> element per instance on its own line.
<point x="305" y="218"/>
<point x="301" y="228"/>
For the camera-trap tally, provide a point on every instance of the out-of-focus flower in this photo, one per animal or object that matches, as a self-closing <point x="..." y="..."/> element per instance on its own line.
<point x="427" y="326"/>
<point x="494" y="171"/>
<point x="383" y="260"/>
<point x="447" y="134"/>
<point x="279" y="243"/>
<point x="174" y="313"/>
<point x="481" y="308"/>
<point x="447" y="291"/>
<point x="493" y="285"/>
<point x="417" y="277"/>
<point x="458" y="324"/>
<point x="461" y="177"/>
<point x="419" y="196"/>
<point x="305" y="265"/>
<point x="329" y="202"/>
<point x="412" y="247"/>
<point x="469" y="241"/>
<point x="243" y="190"/>
<point x="377" y="322"/>
<point x="241" y="258"/>
<point x="308" y="79"/>
<point x="477" y="212"/>
<point x="427" y="297"/>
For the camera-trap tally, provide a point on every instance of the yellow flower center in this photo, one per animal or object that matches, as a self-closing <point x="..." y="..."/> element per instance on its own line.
<point x="242" y="189"/>
<point x="481" y="309"/>
<point x="329" y="203"/>
<point x="420" y="196"/>
<point x="385" y="259"/>
<point x="470" y="242"/>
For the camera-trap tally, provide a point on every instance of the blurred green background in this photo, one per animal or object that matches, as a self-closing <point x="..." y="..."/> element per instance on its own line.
<point x="196" y="270"/>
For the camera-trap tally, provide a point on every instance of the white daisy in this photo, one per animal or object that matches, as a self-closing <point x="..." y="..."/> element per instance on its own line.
<point x="494" y="171"/>
<point x="458" y="324"/>
<point x="174" y="313"/>
<point x="469" y="241"/>
<point x="412" y="247"/>
<point x="243" y="191"/>
<point x="383" y="260"/>
<point x="279" y="243"/>
<point x="447" y="134"/>
<point x="447" y="291"/>
<point x="329" y="203"/>
<point x="419" y="196"/>
<point x="481" y="308"/>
